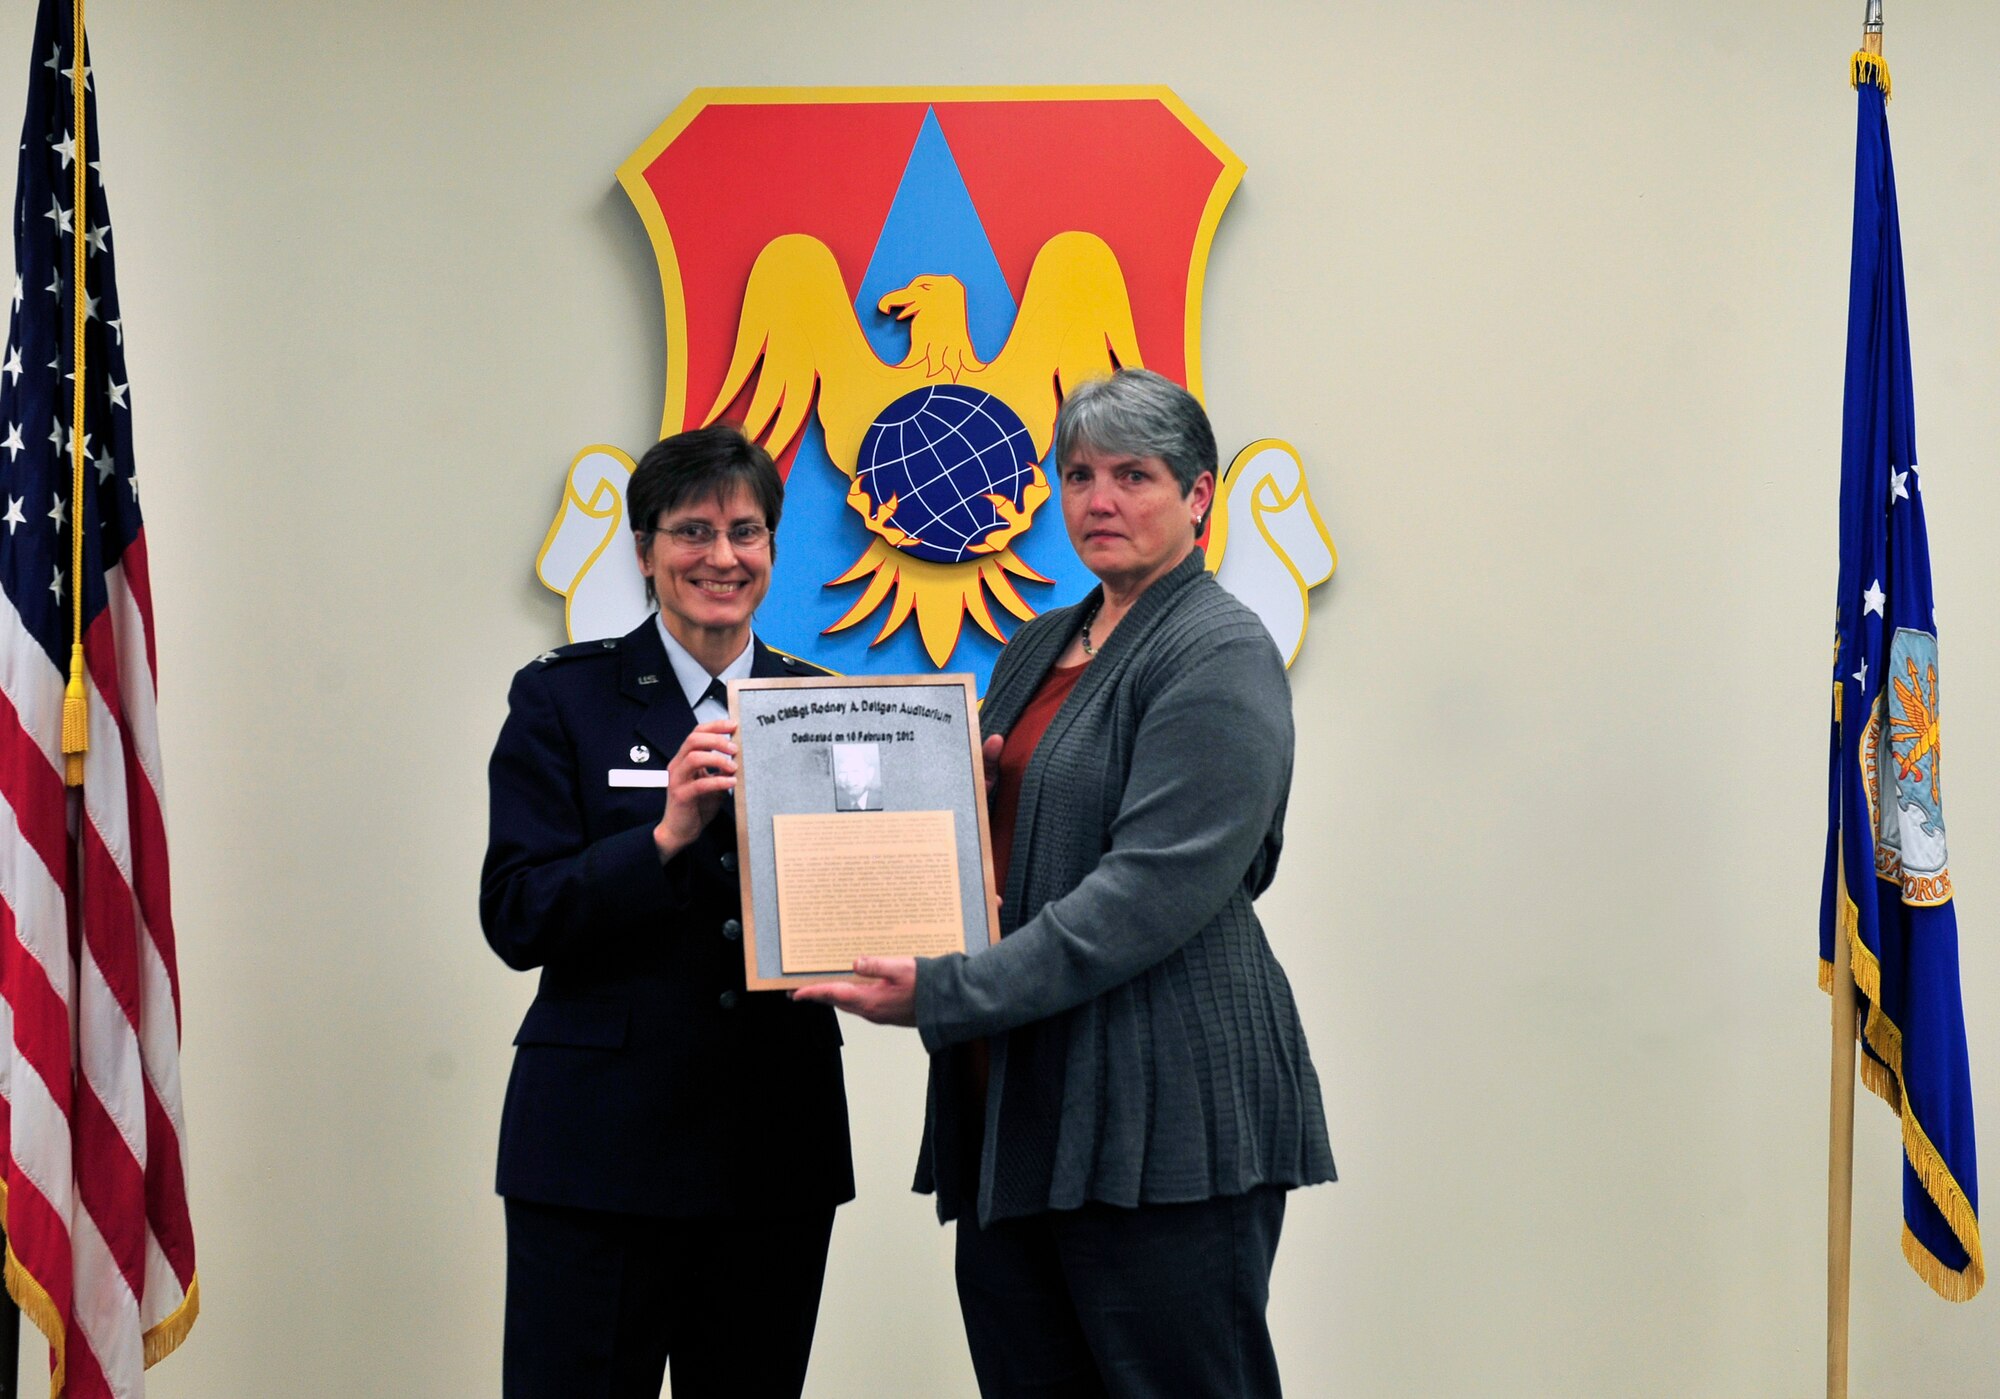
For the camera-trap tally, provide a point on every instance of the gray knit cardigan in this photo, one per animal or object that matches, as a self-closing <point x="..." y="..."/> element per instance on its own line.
<point x="1166" y="1058"/>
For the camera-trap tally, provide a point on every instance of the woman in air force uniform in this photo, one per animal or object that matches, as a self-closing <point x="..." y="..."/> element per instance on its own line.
<point x="672" y="1146"/>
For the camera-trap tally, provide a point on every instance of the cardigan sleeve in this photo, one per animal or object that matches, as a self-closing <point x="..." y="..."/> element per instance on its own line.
<point x="1211" y="764"/>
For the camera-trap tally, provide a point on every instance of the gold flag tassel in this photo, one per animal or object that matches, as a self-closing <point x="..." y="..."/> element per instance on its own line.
<point x="76" y="720"/>
<point x="76" y="701"/>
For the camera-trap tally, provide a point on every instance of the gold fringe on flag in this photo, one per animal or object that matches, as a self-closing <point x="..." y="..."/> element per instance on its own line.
<point x="36" y="1305"/>
<point x="1866" y="67"/>
<point x="1885" y="1080"/>
<point x="163" y="1340"/>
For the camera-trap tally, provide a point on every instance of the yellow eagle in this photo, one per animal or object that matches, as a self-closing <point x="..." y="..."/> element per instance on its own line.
<point x="1918" y="727"/>
<point x="798" y="335"/>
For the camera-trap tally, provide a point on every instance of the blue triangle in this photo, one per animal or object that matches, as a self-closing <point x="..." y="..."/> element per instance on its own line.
<point x="933" y="228"/>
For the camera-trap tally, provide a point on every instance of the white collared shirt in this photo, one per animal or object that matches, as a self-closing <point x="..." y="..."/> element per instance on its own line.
<point x="694" y="677"/>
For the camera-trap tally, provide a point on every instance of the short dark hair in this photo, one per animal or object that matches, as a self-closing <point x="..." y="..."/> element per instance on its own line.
<point x="708" y="463"/>
<point x="1144" y="414"/>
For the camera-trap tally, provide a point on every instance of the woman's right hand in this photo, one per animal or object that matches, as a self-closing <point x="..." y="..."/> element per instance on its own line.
<point x="700" y="774"/>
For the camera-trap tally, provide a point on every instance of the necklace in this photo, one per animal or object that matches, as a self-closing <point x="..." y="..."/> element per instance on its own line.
<point x="1088" y="649"/>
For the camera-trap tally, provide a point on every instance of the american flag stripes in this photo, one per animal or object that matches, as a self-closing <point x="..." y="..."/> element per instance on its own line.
<point x="100" y="1253"/>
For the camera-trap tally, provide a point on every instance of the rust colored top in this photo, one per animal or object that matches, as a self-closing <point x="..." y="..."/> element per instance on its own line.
<point x="1014" y="755"/>
<point x="1015" y="751"/>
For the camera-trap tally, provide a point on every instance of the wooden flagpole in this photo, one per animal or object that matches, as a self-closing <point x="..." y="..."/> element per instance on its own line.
<point x="1840" y="1110"/>
<point x="1840" y="1167"/>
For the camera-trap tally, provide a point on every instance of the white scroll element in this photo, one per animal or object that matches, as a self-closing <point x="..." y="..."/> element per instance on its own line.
<point x="1268" y="544"/>
<point x="587" y="555"/>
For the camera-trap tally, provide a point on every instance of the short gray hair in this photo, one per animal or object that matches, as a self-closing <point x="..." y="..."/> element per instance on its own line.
<point x="1144" y="414"/>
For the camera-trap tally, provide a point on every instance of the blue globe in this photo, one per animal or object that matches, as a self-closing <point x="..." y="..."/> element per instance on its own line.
<point x="939" y="451"/>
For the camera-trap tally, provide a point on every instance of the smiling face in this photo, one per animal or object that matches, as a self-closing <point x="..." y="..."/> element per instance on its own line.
<point x="1127" y="518"/>
<point x="707" y="595"/>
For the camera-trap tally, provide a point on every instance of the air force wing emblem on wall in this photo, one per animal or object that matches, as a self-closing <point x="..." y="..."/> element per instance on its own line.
<point x="892" y="289"/>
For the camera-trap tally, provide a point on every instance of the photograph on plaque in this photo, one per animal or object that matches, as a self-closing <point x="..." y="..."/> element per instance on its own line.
<point x="860" y="823"/>
<point x="857" y="777"/>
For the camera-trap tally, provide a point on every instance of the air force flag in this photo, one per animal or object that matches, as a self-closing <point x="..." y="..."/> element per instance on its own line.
<point x="1887" y="888"/>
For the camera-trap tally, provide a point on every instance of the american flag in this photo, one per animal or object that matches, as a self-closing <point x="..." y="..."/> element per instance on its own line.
<point x="92" y="1146"/>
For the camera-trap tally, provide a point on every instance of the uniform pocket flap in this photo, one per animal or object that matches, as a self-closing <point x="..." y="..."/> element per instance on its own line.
<point x="586" y="1024"/>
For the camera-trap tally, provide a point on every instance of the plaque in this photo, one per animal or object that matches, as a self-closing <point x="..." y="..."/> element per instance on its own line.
<point x="860" y="823"/>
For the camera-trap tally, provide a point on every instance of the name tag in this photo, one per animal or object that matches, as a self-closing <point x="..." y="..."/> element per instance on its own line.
<point x="638" y="777"/>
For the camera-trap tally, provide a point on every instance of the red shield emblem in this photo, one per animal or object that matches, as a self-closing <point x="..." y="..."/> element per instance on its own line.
<point x="891" y="289"/>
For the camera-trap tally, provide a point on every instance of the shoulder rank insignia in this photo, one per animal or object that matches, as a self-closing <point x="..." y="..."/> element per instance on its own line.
<point x="573" y="650"/>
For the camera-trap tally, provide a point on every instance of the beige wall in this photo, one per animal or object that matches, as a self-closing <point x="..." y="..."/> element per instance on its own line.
<point x="1550" y="297"/>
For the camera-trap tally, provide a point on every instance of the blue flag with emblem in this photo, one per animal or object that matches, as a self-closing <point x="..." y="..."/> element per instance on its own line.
<point x="1887" y="887"/>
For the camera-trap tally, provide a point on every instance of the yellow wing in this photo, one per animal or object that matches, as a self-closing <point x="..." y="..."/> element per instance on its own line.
<point x="798" y="332"/>
<point x="1075" y="324"/>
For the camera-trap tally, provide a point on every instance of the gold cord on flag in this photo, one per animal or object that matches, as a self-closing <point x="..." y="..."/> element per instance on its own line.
<point x="76" y="703"/>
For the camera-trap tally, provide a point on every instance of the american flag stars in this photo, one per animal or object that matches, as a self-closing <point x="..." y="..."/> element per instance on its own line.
<point x="56" y="64"/>
<point x="37" y="370"/>
<point x="27" y="471"/>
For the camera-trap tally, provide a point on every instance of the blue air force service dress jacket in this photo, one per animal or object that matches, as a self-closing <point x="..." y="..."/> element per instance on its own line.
<point x="1145" y="1048"/>
<point x="646" y="1079"/>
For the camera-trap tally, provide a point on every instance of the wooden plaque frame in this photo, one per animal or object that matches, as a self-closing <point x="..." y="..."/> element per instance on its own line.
<point x="963" y="776"/>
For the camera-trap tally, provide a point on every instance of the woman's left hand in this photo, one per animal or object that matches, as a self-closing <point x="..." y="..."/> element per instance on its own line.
<point x="884" y="991"/>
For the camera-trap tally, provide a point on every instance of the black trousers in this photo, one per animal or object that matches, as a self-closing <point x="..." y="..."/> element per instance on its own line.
<point x="1158" y="1302"/>
<point x="599" y="1304"/>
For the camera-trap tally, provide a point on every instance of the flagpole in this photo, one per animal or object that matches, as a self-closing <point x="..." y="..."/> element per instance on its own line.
<point x="1840" y="1168"/>
<point x="10" y="1341"/>
<point x="10" y="1344"/>
<point x="1840" y="1110"/>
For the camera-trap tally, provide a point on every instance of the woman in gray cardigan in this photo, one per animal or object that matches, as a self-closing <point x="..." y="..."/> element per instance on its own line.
<point x="1120" y="1090"/>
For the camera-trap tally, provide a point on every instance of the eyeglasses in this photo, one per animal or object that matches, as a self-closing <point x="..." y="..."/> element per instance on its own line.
<point x="698" y="536"/>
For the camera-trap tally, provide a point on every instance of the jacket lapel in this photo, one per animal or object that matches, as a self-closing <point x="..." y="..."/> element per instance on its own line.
<point x="647" y="678"/>
<point x="1003" y="705"/>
